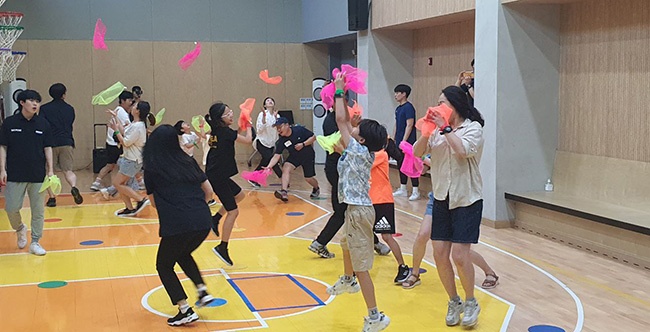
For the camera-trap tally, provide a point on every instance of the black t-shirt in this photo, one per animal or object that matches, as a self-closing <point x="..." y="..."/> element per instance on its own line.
<point x="181" y="206"/>
<point x="329" y="128"/>
<point x="221" y="157"/>
<point x="25" y="141"/>
<point x="61" y="116"/>
<point x="299" y="134"/>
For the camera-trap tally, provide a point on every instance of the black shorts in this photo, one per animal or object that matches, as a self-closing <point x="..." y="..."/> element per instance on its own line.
<point x="307" y="161"/>
<point x="384" y="218"/>
<point x="460" y="225"/>
<point x="226" y="190"/>
<point x="113" y="153"/>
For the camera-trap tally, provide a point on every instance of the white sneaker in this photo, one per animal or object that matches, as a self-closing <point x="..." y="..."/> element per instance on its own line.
<point x="105" y="194"/>
<point x="36" y="249"/>
<point x="454" y="307"/>
<point x="95" y="186"/>
<point x="400" y="193"/>
<point x="382" y="249"/>
<point x="414" y="196"/>
<point x="376" y="325"/>
<point x="343" y="286"/>
<point x="470" y="314"/>
<point x="22" y="237"/>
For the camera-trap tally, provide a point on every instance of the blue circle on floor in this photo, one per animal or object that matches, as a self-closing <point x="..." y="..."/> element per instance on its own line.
<point x="295" y="214"/>
<point x="421" y="270"/>
<point x="276" y="185"/>
<point x="91" y="242"/>
<point x="215" y="303"/>
<point x="52" y="284"/>
<point x="545" y="328"/>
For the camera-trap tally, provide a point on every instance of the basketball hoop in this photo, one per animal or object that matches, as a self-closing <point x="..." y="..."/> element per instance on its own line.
<point x="11" y="63"/>
<point x="10" y="18"/>
<point x="5" y="53"/>
<point x="2" y="2"/>
<point x="9" y="34"/>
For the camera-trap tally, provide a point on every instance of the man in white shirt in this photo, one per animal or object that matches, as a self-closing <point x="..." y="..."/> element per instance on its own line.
<point x="113" y="150"/>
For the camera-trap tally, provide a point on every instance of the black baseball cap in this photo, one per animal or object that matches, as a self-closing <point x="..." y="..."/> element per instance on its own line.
<point x="280" y="120"/>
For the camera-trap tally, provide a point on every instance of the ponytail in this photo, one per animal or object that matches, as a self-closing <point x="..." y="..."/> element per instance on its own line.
<point x="475" y="115"/>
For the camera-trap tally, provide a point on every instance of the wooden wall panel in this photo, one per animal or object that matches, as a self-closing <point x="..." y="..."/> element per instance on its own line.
<point x="605" y="72"/>
<point x="224" y="71"/>
<point x="389" y="13"/>
<point x="451" y="48"/>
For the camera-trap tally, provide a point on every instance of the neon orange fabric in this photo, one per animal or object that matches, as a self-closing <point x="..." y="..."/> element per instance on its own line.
<point x="380" y="189"/>
<point x="264" y="76"/>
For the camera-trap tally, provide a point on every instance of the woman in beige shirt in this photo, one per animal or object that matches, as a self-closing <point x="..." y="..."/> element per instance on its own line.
<point x="458" y="202"/>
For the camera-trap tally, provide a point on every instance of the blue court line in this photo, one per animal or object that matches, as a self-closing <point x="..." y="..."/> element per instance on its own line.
<point x="290" y="307"/>
<point x="232" y="282"/>
<point x="318" y="300"/>
<point x="260" y="277"/>
<point x="241" y="294"/>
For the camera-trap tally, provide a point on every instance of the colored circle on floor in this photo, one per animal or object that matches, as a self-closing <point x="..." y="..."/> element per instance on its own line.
<point x="91" y="242"/>
<point x="319" y="198"/>
<point x="545" y="328"/>
<point x="53" y="220"/>
<point x="275" y="185"/>
<point x="52" y="284"/>
<point x="295" y="214"/>
<point x="216" y="303"/>
<point x="397" y="234"/>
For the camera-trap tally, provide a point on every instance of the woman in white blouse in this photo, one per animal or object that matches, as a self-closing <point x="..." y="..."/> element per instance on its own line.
<point x="132" y="140"/>
<point x="267" y="135"/>
<point x="457" y="198"/>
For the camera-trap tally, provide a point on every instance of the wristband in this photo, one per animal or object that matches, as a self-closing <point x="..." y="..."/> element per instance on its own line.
<point x="339" y="91"/>
<point x="117" y="132"/>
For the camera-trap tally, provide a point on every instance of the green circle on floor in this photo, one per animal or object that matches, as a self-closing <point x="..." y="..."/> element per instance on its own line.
<point x="52" y="284"/>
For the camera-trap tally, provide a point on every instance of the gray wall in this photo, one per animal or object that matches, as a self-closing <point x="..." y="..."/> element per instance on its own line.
<point x="517" y="84"/>
<point x="272" y="21"/>
<point x="324" y="19"/>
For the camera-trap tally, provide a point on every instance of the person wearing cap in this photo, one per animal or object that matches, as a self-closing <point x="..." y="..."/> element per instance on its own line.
<point x="299" y="141"/>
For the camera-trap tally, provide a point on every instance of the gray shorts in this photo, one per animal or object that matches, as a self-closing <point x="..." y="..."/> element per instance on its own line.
<point x="128" y="167"/>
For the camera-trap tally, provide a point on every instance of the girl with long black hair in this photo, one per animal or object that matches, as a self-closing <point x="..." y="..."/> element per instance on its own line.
<point x="179" y="191"/>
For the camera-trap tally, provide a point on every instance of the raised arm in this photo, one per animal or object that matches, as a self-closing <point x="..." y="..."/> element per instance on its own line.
<point x="247" y="138"/>
<point x="341" y="110"/>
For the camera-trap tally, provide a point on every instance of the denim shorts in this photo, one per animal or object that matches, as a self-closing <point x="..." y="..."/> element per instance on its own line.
<point x="429" y="210"/>
<point x="128" y="167"/>
<point x="459" y="225"/>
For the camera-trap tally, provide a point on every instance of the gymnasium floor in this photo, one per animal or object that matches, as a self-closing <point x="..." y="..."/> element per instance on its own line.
<point x="99" y="274"/>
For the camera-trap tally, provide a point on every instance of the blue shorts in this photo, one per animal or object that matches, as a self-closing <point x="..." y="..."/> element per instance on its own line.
<point x="429" y="210"/>
<point x="459" y="225"/>
<point x="128" y="167"/>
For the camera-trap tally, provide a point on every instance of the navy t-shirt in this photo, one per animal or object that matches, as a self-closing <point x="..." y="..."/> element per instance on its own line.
<point x="299" y="134"/>
<point x="221" y="157"/>
<point x="181" y="205"/>
<point x="26" y="141"/>
<point x="402" y="113"/>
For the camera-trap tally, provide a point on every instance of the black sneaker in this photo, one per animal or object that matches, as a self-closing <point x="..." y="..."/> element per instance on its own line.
<point x="126" y="213"/>
<point x="281" y="195"/>
<point x="215" y="225"/>
<point x="315" y="193"/>
<point x="78" y="199"/>
<point x="403" y="273"/>
<point x="204" y="299"/>
<point x="254" y="184"/>
<point x="183" y="318"/>
<point x="141" y="205"/>
<point x="51" y="202"/>
<point x="222" y="253"/>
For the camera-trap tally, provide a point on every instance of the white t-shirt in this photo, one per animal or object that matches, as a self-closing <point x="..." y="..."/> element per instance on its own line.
<point x="190" y="138"/>
<point x="266" y="134"/>
<point x="135" y="136"/>
<point x="123" y="116"/>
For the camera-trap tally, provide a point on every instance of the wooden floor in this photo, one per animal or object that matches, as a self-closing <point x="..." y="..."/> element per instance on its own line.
<point x="541" y="282"/>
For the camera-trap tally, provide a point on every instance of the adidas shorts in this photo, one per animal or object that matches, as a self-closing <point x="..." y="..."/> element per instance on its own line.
<point x="384" y="218"/>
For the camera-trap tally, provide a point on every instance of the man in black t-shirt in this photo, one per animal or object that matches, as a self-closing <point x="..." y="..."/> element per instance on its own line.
<point x="298" y="140"/>
<point x="25" y="155"/>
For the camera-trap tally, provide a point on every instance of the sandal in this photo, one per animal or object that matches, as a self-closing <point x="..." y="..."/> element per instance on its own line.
<point x="412" y="281"/>
<point x="491" y="281"/>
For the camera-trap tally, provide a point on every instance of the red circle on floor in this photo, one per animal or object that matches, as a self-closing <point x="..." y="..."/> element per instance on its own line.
<point x="397" y="234"/>
<point x="53" y="220"/>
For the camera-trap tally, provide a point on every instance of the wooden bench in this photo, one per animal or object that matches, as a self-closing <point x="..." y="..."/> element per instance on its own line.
<point x="598" y="204"/>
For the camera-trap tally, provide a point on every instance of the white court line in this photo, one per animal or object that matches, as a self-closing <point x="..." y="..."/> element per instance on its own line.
<point x="576" y="299"/>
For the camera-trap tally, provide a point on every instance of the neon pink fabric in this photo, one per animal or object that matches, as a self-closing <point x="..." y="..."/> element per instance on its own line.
<point x="188" y="59"/>
<point x="412" y="165"/>
<point x="100" y="33"/>
<point x="257" y="176"/>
